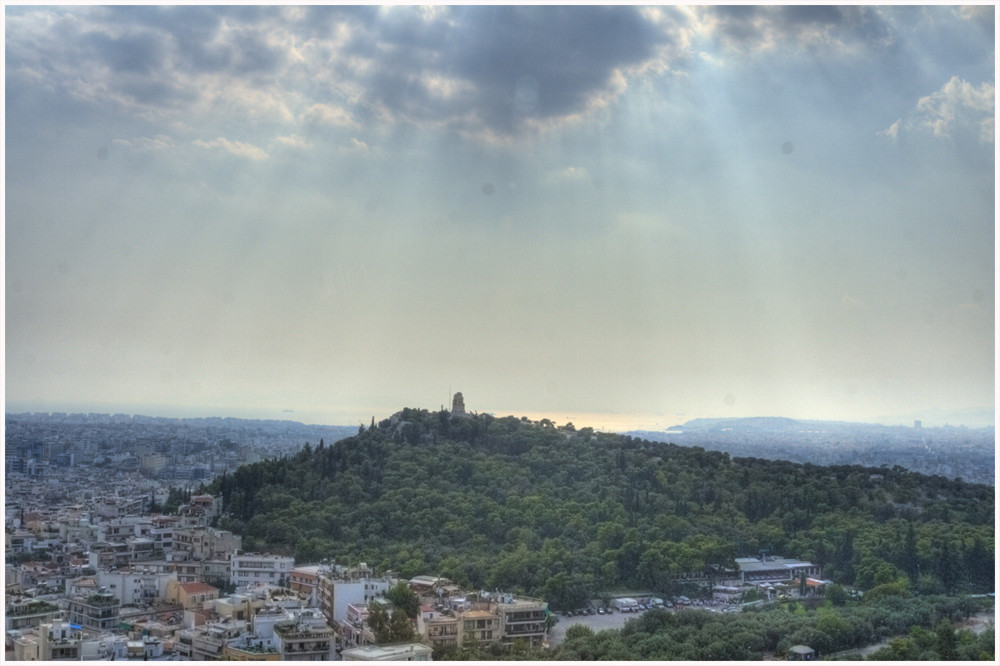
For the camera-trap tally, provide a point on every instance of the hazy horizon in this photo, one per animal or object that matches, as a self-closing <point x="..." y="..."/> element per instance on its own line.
<point x="610" y="422"/>
<point x="650" y="213"/>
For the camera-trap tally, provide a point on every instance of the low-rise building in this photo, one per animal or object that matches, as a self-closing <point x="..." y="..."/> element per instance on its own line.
<point x="353" y="630"/>
<point x="97" y="611"/>
<point x="238" y="606"/>
<point x="26" y="612"/>
<point x="305" y="581"/>
<point x="498" y="619"/>
<point x="136" y="585"/>
<point x="521" y="618"/>
<point x="250" y="648"/>
<point x="205" y="543"/>
<point x="55" y="641"/>
<point x="247" y="569"/>
<point x="480" y="626"/>
<point x="771" y="569"/>
<point x="336" y="591"/>
<point x="190" y="595"/>
<point x="200" y="511"/>
<point x="439" y="627"/>
<point x="208" y="642"/>
<point x="306" y="638"/>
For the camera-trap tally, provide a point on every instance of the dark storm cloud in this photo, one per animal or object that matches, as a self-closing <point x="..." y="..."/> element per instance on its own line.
<point x="190" y="29"/>
<point x="140" y="52"/>
<point x="749" y="26"/>
<point x="194" y="38"/>
<point x="473" y="68"/>
<point x="517" y="62"/>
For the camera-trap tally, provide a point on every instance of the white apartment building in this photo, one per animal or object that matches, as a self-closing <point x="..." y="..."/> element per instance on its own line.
<point x="257" y="568"/>
<point x="335" y="596"/>
<point x="140" y="585"/>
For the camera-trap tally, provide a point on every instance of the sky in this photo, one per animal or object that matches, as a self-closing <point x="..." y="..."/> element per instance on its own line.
<point x="618" y="216"/>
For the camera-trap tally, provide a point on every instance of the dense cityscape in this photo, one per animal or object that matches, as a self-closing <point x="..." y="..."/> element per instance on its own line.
<point x="111" y="553"/>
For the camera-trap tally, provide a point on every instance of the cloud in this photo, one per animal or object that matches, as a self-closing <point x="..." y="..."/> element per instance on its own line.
<point x="142" y="143"/>
<point x="981" y="15"/>
<point x="150" y="62"/>
<point x="958" y="105"/>
<point x="294" y="141"/>
<point x="892" y="131"/>
<point x="238" y="148"/>
<point x="488" y="71"/>
<point x="356" y="146"/>
<point x="958" y="109"/>
<point x="764" y="28"/>
<point x="326" y="114"/>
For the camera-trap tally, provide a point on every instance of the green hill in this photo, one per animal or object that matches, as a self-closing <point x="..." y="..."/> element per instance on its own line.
<point x="567" y="514"/>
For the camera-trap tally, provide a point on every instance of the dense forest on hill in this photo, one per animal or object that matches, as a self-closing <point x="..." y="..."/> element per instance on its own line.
<point x="571" y="514"/>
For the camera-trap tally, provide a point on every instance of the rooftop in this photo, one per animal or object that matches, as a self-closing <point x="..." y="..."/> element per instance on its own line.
<point x="198" y="588"/>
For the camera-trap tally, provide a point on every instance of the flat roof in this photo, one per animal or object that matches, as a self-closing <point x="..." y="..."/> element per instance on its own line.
<point x="753" y="564"/>
<point x="388" y="651"/>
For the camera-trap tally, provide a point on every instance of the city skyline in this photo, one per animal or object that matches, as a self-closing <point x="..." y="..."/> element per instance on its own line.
<point x="661" y="213"/>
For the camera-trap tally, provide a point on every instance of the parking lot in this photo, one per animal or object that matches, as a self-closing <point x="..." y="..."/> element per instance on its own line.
<point x="596" y="622"/>
<point x="617" y="619"/>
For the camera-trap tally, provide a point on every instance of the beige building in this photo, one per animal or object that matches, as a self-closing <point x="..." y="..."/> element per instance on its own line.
<point x="481" y="626"/>
<point x="190" y="595"/>
<point x="521" y="618"/>
<point x="439" y="627"/>
<point x="55" y="641"/>
<point x="205" y="543"/>
<point x="499" y="619"/>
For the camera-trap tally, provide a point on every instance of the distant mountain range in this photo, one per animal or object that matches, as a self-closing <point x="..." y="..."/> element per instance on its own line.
<point x="782" y="424"/>
<point x="947" y="450"/>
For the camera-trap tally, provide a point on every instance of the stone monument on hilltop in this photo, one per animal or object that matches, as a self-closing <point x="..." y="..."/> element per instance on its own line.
<point x="458" y="405"/>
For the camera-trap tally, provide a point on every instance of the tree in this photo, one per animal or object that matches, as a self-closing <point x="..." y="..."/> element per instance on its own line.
<point x="909" y="561"/>
<point x="404" y="599"/>
<point x="945" y="566"/>
<point x="836" y="594"/>
<point x="378" y="622"/>
<point x="400" y="627"/>
<point x="979" y="566"/>
<point x="946" y="640"/>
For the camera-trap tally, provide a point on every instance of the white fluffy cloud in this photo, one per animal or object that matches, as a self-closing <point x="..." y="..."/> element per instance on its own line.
<point x="958" y="105"/>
